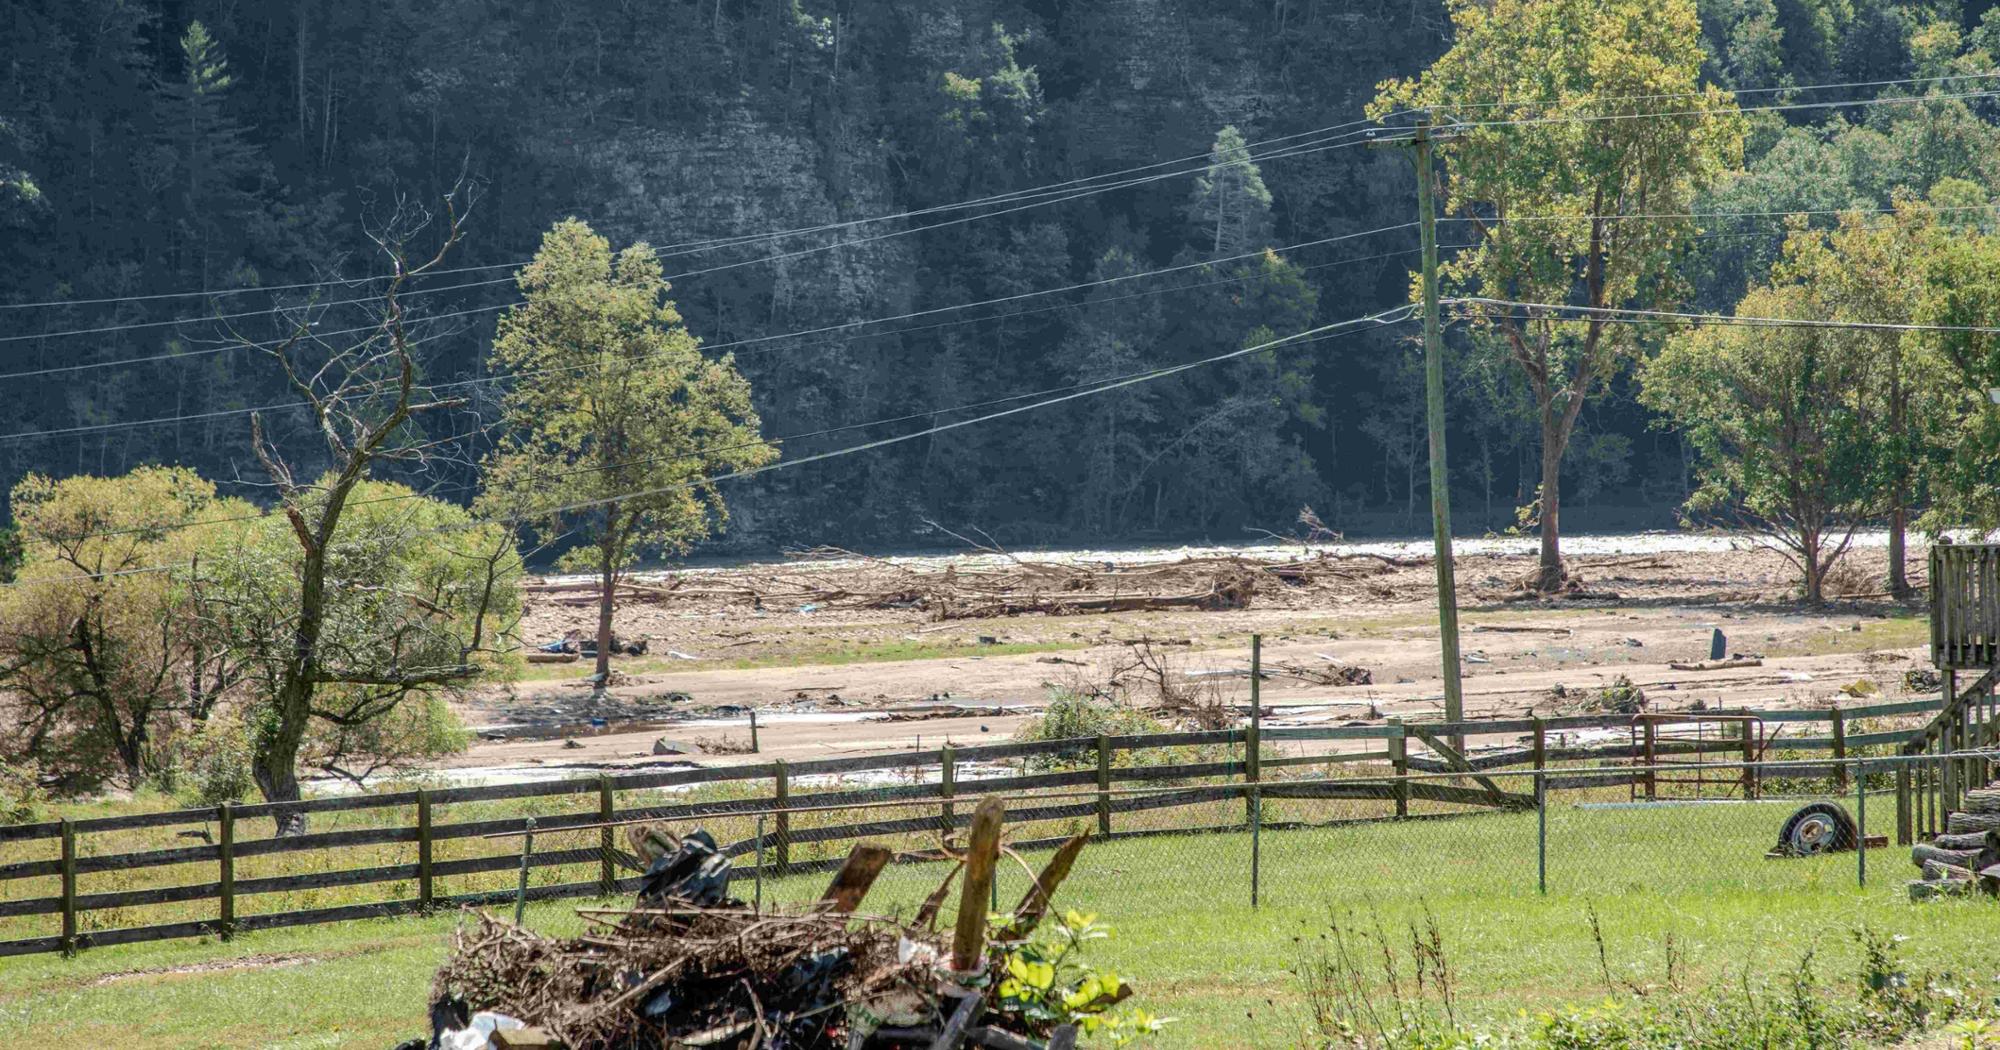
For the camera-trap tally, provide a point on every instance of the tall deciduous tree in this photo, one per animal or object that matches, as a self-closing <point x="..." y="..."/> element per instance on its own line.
<point x="615" y="419"/>
<point x="1605" y="120"/>
<point x="348" y="625"/>
<point x="1788" y="437"/>
<point x="98" y="639"/>
<point x="1872" y="270"/>
<point x="1961" y="295"/>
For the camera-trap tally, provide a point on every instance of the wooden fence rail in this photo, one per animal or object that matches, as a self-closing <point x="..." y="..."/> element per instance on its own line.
<point x="1090" y="763"/>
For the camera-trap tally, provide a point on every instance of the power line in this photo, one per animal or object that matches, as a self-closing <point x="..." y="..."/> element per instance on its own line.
<point x="1777" y="107"/>
<point x="1054" y="190"/>
<point x="463" y="383"/>
<point x="1773" y="89"/>
<point x="209" y="351"/>
<point x="62" y="369"/>
<point x="1070" y="392"/>
<point x="1669" y="316"/>
<point x="718" y="243"/>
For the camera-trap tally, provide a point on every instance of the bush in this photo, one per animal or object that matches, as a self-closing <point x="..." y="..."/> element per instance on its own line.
<point x="22" y="799"/>
<point x="1073" y="713"/>
<point x="208" y="765"/>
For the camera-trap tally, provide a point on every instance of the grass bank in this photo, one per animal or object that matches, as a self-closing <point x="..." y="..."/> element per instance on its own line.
<point x="1680" y="891"/>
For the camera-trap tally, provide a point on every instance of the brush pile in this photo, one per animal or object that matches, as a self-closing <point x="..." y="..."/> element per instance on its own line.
<point x="688" y="966"/>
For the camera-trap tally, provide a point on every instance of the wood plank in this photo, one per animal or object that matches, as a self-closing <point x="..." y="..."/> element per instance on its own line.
<point x="853" y="880"/>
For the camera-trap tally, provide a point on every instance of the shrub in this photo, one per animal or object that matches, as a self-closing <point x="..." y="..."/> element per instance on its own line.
<point x="22" y="799"/>
<point x="1074" y="712"/>
<point x="208" y="765"/>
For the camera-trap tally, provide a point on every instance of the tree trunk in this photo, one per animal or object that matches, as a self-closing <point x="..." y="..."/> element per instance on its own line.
<point x="1549" y="573"/>
<point x="607" y="583"/>
<point x="1899" y="523"/>
<point x="275" y="768"/>
<point x="1899" y="493"/>
<point x="1809" y="544"/>
<point x="607" y="574"/>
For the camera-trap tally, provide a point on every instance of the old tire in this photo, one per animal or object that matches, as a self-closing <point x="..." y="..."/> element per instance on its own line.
<point x="1819" y="827"/>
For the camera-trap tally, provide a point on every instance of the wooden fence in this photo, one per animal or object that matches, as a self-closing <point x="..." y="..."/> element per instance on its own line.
<point x="1965" y="606"/>
<point x="1228" y="759"/>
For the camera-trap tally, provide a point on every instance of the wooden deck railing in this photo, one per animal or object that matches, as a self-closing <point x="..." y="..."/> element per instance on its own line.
<point x="1965" y="606"/>
<point x="1229" y="760"/>
<point x="1928" y="792"/>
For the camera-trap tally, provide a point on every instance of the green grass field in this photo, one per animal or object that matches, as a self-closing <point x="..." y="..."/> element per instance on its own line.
<point x="1185" y="931"/>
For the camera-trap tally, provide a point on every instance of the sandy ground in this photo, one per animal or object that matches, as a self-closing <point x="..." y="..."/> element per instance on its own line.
<point x="829" y="682"/>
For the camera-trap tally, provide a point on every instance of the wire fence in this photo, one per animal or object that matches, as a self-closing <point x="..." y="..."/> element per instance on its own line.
<point x="1576" y="832"/>
<point x="1214" y="821"/>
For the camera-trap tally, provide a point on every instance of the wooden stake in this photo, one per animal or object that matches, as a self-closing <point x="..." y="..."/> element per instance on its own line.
<point x="968" y="942"/>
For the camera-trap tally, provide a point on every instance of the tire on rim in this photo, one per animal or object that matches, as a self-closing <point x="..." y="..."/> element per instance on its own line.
<point x="1819" y="827"/>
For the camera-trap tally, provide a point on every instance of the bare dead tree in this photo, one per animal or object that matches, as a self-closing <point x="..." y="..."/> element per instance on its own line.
<point x="363" y="397"/>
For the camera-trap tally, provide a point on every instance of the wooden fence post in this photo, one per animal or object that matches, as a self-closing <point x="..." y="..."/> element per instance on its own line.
<point x="1103" y="783"/>
<point x="1541" y="744"/>
<point x="1839" y="749"/>
<point x="225" y="846"/>
<point x="782" y="796"/>
<point x="947" y="783"/>
<point x="607" y="877"/>
<point x="754" y="748"/>
<point x="1750" y="789"/>
<point x="68" y="887"/>
<point x="1399" y="758"/>
<point x="426" y="885"/>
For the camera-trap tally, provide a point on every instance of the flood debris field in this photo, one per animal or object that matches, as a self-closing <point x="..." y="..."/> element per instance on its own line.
<point x="843" y="655"/>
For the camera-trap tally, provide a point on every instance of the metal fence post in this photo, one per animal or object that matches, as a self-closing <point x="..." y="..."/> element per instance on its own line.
<point x="947" y="784"/>
<point x="1542" y="832"/>
<point x="521" y="892"/>
<point x="1860" y="818"/>
<point x="1103" y="784"/>
<point x="1256" y="844"/>
<point x="1399" y="760"/>
<point x="1252" y="772"/>
<point x="757" y="904"/>
<point x="225" y="852"/>
<point x="607" y="873"/>
<point x="1253" y="745"/>
<point x="782" y="795"/>
<point x="68" y="887"/>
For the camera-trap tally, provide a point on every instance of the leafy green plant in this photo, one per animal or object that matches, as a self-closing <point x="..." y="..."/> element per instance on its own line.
<point x="1974" y="1033"/>
<point x="22" y="799"/>
<point x="1046" y="982"/>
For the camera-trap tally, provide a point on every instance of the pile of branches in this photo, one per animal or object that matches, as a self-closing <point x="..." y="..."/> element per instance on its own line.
<point x="688" y="966"/>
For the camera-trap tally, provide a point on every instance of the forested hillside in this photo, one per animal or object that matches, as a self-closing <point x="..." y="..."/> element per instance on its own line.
<point x="150" y="147"/>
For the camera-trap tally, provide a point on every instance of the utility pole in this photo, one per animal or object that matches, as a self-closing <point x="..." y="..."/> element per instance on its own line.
<point x="1447" y="587"/>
